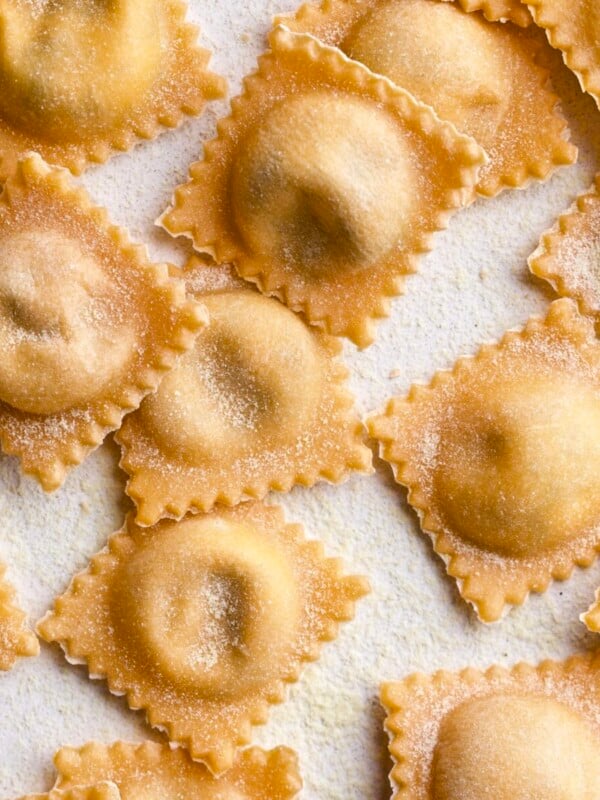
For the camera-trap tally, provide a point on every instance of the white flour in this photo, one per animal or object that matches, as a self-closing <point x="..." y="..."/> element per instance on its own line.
<point x="471" y="288"/>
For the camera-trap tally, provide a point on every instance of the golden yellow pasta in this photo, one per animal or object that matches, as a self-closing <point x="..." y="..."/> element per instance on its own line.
<point x="568" y="255"/>
<point x="202" y="623"/>
<point x="591" y="618"/>
<point x="499" y="10"/>
<point x="88" y="325"/>
<point x="16" y="640"/>
<point x="79" y="81"/>
<point x="529" y="732"/>
<point x="151" y="769"/>
<point x="481" y="76"/>
<point x="324" y="185"/>
<point x="101" y="791"/>
<point x="258" y="404"/>
<point x="573" y="27"/>
<point x="500" y="457"/>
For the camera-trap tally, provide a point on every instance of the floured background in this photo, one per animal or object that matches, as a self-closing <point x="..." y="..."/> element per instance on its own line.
<point x="470" y="289"/>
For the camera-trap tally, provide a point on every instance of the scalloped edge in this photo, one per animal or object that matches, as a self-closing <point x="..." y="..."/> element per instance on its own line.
<point x="13" y="625"/>
<point x="586" y="72"/>
<point x="218" y="758"/>
<point x="355" y="455"/>
<point x="104" y="790"/>
<point x="143" y="125"/>
<point x="499" y="11"/>
<point x="544" y="262"/>
<point x="395" y="697"/>
<point x="158" y="759"/>
<point x="225" y="244"/>
<point x="105" y="414"/>
<point x="493" y="10"/>
<point x="591" y="617"/>
<point x="311" y="19"/>
<point x="490" y="602"/>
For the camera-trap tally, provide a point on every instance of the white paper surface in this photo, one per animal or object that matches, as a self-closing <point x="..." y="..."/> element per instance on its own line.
<point x="470" y="289"/>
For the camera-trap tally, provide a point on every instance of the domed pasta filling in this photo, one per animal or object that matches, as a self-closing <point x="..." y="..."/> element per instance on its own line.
<point x="324" y="184"/>
<point x="213" y="606"/>
<point x="254" y="380"/>
<point x="74" y="68"/>
<point x="61" y="339"/>
<point x="518" y="463"/>
<point x="515" y="748"/>
<point x="203" y="623"/>
<point x="448" y="59"/>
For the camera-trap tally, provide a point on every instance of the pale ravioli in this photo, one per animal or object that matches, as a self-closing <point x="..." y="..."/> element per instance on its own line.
<point x="568" y="255"/>
<point x="16" y="640"/>
<point x="573" y="27"/>
<point x="324" y="185"/>
<point x="531" y="732"/>
<point x="101" y="791"/>
<point x="202" y="623"/>
<point x="80" y="80"/>
<point x="158" y="771"/>
<point x="88" y="325"/>
<point x="481" y="76"/>
<point x="501" y="458"/>
<point x="258" y="404"/>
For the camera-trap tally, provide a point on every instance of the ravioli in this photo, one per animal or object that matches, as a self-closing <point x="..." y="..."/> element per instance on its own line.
<point x="573" y="27"/>
<point x="568" y="255"/>
<point x="88" y="325"/>
<point x="529" y="732"/>
<point x="16" y="640"/>
<point x="483" y="77"/>
<point x="499" y="10"/>
<point x="79" y="81"/>
<point x="500" y="457"/>
<point x="101" y="791"/>
<point x="325" y="185"/>
<point x="258" y="404"/>
<point x="202" y="623"/>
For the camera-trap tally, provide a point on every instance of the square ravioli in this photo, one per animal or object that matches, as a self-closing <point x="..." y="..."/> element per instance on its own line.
<point x="157" y="770"/>
<point x="259" y="403"/>
<point x="324" y="185"/>
<point x="203" y="623"/>
<point x="79" y="81"/>
<point x="88" y="326"/>
<point x="528" y="733"/>
<point x="16" y="640"/>
<point x="501" y="456"/>
<point x="493" y="89"/>
<point x="573" y="27"/>
<point x="568" y="256"/>
<point x="101" y="791"/>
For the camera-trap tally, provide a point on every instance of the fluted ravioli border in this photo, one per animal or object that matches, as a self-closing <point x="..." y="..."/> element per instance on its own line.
<point x="16" y="639"/>
<point x="103" y="790"/>
<point x="163" y="485"/>
<point x="512" y="165"/>
<point x="259" y="774"/>
<point x="550" y="15"/>
<point x="417" y="705"/>
<point x="547" y="260"/>
<point x="347" y="305"/>
<point x="483" y="576"/>
<point x="211" y="729"/>
<point x="182" y="89"/>
<point x="49" y="445"/>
